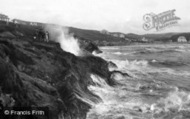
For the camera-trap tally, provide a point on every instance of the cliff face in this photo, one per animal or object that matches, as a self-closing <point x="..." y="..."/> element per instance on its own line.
<point x="41" y="74"/>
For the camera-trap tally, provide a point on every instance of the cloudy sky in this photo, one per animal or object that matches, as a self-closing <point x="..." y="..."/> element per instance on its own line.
<point x="114" y="15"/>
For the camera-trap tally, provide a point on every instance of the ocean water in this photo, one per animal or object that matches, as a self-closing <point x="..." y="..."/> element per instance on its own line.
<point x="158" y="86"/>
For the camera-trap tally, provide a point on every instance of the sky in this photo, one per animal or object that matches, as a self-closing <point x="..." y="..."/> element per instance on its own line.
<point x="113" y="15"/>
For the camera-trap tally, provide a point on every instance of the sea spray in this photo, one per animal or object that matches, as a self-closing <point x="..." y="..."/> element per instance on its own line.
<point x="115" y="101"/>
<point x="152" y="91"/>
<point x="179" y="100"/>
<point x="67" y="41"/>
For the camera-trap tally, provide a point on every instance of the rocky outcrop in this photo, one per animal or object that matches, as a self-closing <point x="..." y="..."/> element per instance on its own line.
<point x="41" y="74"/>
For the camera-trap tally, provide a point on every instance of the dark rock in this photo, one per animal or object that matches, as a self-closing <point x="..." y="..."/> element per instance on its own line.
<point x="112" y="65"/>
<point x="115" y="72"/>
<point x="89" y="46"/>
<point x="7" y="35"/>
<point x="42" y="74"/>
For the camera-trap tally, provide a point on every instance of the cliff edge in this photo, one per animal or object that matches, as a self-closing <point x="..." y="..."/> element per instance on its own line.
<point x="40" y="74"/>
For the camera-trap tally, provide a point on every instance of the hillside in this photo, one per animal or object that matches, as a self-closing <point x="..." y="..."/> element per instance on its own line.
<point x="97" y="37"/>
<point x="108" y="39"/>
<point x="162" y="37"/>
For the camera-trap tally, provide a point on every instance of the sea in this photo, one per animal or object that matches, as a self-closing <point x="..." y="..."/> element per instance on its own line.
<point x="158" y="85"/>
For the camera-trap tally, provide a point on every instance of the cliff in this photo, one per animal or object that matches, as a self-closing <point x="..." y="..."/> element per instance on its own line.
<point x="40" y="74"/>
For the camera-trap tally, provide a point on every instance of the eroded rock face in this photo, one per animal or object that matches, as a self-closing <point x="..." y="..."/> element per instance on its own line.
<point x="42" y="74"/>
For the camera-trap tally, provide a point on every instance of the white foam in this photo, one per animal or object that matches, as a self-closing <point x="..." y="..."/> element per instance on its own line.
<point x="178" y="100"/>
<point x="133" y="65"/>
<point x="86" y="100"/>
<point x="127" y="98"/>
<point x="98" y="80"/>
<point x="154" y="61"/>
<point x="117" y="53"/>
<point x="142" y="66"/>
<point x="133" y="68"/>
<point x="113" y="99"/>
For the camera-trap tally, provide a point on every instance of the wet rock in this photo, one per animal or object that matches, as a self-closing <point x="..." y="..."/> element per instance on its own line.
<point x="118" y="75"/>
<point x="42" y="74"/>
<point x="97" y="51"/>
<point x="88" y="45"/>
<point x="112" y="65"/>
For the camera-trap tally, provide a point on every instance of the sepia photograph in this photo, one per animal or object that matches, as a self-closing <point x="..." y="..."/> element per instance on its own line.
<point x="94" y="59"/>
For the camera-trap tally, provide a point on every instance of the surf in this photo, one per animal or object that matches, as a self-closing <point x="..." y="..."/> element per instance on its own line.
<point x="148" y="86"/>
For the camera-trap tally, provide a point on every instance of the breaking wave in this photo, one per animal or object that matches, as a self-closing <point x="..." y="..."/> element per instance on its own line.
<point x="127" y="101"/>
<point x="147" y="88"/>
<point x="67" y="41"/>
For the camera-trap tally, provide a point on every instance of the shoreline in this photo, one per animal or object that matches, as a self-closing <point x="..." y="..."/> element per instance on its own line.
<point x="132" y="44"/>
